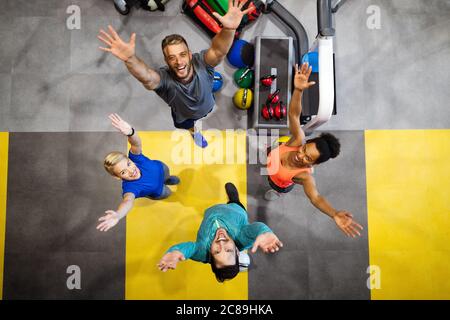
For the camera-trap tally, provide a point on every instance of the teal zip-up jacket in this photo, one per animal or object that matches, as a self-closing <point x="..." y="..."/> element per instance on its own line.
<point x="232" y="218"/>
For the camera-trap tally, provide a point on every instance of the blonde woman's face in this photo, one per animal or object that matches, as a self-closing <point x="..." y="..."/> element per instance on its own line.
<point x="126" y="169"/>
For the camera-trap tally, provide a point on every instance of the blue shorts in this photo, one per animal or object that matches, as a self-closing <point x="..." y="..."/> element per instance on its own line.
<point x="186" y="124"/>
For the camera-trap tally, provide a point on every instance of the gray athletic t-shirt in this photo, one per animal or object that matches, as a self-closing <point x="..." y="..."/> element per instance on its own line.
<point x="193" y="100"/>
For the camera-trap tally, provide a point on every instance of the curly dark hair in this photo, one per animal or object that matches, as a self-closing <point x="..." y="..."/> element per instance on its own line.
<point x="328" y="146"/>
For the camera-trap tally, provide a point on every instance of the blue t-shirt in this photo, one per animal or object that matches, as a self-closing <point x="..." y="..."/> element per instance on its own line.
<point x="150" y="183"/>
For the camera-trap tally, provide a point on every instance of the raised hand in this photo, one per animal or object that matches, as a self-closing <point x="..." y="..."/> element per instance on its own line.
<point x="119" y="48"/>
<point x="268" y="242"/>
<point x="345" y="222"/>
<point x="233" y="17"/>
<point x="120" y="124"/>
<point x="170" y="261"/>
<point x="109" y="220"/>
<point x="301" y="77"/>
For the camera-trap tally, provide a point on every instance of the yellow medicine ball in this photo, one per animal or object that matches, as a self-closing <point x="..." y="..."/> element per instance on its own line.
<point x="243" y="98"/>
<point x="283" y="139"/>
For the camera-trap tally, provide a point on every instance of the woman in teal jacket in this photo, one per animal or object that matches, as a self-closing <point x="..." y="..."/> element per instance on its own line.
<point x="224" y="232"/>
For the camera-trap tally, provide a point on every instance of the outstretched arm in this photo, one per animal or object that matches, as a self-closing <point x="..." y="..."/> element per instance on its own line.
<point x="222" y="41"/>
<point x="176" y="253"/>
<point x="268" y="242"/>
<point x="170" y="260"/>
<point x="343" y="219"/>
<point x="112" y="217"/>
<point x="126" y="129"/>
<point x="295" y="107"/>
<point x="125" y="51"/>
<point x="258" y="235"/>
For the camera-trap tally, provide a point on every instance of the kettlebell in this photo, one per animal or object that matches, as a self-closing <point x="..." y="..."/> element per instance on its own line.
<point x="280" y="111"/>
<point x="267" y="80"/>
<point x="267" y="112"/>
<point x="273" y="97"/>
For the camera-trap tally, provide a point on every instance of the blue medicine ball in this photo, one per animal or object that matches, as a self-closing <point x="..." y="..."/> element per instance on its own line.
<point x="313" y="60"/>
<point x="241" y="54"/>
<point x="217" y="82"/>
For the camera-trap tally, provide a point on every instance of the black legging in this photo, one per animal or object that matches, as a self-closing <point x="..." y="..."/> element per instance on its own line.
<point x="238" y="203"/>
<point x="166" y="190"/>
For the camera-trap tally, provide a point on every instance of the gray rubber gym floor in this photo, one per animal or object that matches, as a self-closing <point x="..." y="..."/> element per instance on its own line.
<point x="53" y="79"/>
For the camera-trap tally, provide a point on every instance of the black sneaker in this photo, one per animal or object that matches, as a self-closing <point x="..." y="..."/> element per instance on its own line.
<point x="172" y="181"/>
<point x="122" y="7"/>
<point x="233" y="194"/>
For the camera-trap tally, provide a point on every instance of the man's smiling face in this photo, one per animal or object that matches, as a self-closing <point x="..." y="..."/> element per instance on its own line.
<point x="179" y="59"/>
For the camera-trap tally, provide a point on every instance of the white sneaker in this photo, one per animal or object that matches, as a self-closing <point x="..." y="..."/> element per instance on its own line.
<point x="244" y="261"/>
<point x="271" y="195"/>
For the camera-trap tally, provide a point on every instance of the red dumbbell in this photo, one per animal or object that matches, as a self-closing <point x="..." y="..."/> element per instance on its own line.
<point x="267" y="112"/>
<point x="267" y="80"/>
<point x="273" y="97"/>
<point x="280" y="111"/>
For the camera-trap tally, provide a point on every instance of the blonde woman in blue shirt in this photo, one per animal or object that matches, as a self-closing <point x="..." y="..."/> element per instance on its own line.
<point x="141" y="176"/>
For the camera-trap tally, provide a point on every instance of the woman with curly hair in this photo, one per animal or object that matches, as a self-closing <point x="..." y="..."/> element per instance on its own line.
<point x="292" y="162"/>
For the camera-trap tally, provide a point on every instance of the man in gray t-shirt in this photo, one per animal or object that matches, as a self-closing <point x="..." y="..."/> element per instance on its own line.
<point x="185" y="83"/>
<point x="192" y="100"/>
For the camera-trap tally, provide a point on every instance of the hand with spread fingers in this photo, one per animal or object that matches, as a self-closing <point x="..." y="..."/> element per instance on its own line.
<point x="119" y="48"/>
<point x="344" y="221"/>
<point x="233" y="17"/>
<point x="108" y="221"/>
<point x="120" y="124"/>
<point x="170" y="260"/>
<point x="301" y="77"/>
<point x="268" y="242"/>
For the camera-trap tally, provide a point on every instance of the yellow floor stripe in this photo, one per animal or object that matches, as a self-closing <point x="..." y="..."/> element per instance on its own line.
<point x="3" y="185"/>
<point x="153" y="226"/>
<point x="408" y="184"/>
